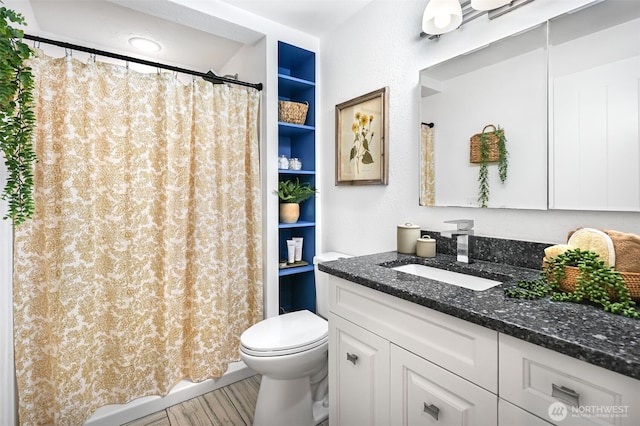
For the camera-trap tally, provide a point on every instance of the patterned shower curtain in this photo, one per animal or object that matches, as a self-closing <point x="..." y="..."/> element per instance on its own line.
<point x="427" y="166"/>
<point x="142" y="265"/>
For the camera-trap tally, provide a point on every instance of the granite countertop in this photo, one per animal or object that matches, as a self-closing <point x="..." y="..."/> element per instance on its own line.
<point x="583" y="331"/>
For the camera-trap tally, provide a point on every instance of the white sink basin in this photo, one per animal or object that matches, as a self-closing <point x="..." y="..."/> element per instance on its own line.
<point x="456" y="278"/>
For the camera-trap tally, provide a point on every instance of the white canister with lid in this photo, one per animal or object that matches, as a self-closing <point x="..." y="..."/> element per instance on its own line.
<point x="426" y="247"/>
<point x="408" y="235"/>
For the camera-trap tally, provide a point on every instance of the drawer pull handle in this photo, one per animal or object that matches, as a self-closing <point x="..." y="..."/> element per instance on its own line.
<point x="352" y="358"/>
<point x="432" y="410"/>
<point x="567" y="395"/>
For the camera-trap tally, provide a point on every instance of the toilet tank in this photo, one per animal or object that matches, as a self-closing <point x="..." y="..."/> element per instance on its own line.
<point x="322" y="281"/>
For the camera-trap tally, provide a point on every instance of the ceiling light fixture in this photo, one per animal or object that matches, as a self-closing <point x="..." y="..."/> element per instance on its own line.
<point x="145" y="44"/>
<point x="488" y="4"/>
<point x="441" y="16"/>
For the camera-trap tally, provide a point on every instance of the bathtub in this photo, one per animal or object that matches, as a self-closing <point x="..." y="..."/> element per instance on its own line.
<point x="118" y="414"/>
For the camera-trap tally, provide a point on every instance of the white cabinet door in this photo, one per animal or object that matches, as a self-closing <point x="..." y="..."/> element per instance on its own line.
<point x="358" y="375"/>
<point x="510" y="415"/>
<point x="424" y="394"/>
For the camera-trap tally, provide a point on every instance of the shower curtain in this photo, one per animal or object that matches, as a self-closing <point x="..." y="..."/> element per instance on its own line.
<point x="427" y="166"/>
<point x="142" y="264"/>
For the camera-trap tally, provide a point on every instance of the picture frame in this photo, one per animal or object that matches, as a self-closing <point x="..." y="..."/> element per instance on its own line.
<point x="362" y="140"/>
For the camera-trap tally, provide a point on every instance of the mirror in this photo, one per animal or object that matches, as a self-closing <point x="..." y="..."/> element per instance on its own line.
<point x="594" y="145"/>
<point x="503" y="84"/>
<point x="589" y="95"/>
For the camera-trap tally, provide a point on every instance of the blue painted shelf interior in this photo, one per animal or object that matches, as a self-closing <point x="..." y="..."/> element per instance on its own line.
<point x="297" y="83"/>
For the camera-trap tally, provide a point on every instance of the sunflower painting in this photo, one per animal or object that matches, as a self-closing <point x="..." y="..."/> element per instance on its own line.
<point x="361" y="140"/>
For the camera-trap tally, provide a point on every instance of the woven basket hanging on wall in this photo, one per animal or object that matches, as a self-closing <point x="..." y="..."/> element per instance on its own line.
<point x="476" y="142"/>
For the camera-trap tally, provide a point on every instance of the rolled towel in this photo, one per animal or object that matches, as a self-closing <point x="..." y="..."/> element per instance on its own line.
<point x="553" y="251"/>
<point x="627" y="248"/>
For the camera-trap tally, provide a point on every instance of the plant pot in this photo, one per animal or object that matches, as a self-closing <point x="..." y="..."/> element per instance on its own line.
<point x="289" y="212"/>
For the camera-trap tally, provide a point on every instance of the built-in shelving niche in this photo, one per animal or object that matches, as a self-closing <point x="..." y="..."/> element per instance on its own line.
<point x="296" y="82"/>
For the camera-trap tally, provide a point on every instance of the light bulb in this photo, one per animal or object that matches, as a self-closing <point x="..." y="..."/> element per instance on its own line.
<point x="441" y="16"/>
<point x="442" y="21"/>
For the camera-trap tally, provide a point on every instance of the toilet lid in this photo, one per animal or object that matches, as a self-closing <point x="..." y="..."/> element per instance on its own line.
<point x="284" y="332"/>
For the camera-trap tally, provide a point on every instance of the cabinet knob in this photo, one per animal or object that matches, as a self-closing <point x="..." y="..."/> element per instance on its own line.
<point x="566" y="394"/>
<point x="352" y="358"/>
<point x="432" y="410"/>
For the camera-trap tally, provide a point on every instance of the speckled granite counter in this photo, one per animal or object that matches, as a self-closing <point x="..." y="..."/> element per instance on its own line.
<point x="582" y="331"/>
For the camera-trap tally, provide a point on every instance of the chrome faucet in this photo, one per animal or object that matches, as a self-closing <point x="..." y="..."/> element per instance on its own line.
<point x="464" y="228"/>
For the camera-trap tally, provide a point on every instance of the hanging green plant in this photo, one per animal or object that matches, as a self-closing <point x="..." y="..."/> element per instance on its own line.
<point x="488" y="147"/>
<point x="17" y="119"/>
<point x="596" y="282"/>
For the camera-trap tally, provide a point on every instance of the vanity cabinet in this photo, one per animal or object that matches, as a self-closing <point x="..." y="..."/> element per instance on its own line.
<point x="396" y="362"/>
<point x="297" y="83"/>
<point x="453" y="380"/>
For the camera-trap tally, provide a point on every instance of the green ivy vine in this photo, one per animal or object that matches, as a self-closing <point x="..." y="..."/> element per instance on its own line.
<point x="503" y="163"/>
<point x="17" y="119"/>
<point x="597" y="283"/>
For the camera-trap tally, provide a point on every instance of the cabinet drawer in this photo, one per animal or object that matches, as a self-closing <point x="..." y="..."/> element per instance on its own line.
<point x="461" y="347"/>
<point x="423" y="393"/>
<point x="565" y="390"/>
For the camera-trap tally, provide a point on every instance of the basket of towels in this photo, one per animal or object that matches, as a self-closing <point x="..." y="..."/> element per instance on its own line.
<point x="617" y="249"/>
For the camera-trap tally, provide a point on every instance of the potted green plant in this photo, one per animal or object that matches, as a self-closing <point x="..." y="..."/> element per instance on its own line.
<point x="17" y="119"/>
<point x="595" y="282"/>
<point x="488" y="142"/>
<point x="291" y="193"/>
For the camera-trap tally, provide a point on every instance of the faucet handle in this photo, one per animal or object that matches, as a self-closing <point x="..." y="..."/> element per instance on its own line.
<point x="462" y="224"/>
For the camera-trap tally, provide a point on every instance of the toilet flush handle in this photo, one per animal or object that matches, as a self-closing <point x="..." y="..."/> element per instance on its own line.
<point x="352" y="358"/>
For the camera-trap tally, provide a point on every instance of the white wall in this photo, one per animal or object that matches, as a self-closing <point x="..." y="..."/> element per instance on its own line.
<point x="380" y="47"/>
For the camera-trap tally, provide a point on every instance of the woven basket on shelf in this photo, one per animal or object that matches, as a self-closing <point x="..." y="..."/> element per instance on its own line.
<point x="631" y="279"/>
<point x="476" y="143"/>
<point x="292" y="112"/>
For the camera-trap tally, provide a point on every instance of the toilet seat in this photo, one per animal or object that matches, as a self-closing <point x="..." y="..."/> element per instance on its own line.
<point x="285" y="334"/>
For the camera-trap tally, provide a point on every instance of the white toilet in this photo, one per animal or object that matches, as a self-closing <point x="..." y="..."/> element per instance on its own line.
<point x="290" y="352"/>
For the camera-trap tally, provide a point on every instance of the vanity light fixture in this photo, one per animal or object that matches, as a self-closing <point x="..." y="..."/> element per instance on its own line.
<point x="441" y="16"/>
<point x="145" y="44"/>
<point x="488" y="4"/>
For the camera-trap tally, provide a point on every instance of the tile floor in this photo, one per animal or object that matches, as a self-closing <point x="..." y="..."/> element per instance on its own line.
<point x="230" y="405"/>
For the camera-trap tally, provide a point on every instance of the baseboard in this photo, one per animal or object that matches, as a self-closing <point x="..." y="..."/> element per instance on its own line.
<point x="119" y="414"/>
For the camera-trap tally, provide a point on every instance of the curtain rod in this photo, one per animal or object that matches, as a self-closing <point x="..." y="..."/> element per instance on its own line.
<point x="209" y="76"/>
